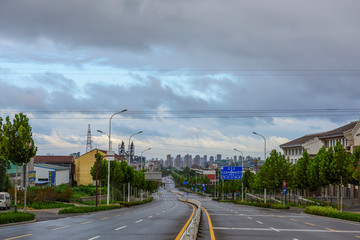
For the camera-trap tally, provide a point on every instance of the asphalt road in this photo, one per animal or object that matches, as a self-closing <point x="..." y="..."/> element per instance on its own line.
<point x="162" y="219"/>
<point x="231" y="221"/>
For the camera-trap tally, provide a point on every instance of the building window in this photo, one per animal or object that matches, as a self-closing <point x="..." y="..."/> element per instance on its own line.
<point x="296" y="151"/>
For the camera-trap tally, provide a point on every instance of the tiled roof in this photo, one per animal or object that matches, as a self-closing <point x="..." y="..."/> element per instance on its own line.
<point x="333" y="133"/>
<point x="301" y="140"/>
<point x="53" y="159"/>
<point x="339" y="131"/>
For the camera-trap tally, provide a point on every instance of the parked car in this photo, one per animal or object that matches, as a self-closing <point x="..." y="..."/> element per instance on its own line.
<point x="5" y="200"/>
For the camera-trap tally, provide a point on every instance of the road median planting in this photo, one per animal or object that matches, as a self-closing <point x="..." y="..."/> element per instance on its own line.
<point x="332" y="212"/>
<point x="11" y="217"/>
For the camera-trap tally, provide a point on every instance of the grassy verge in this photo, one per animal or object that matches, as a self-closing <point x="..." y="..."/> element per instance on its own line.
<point x="264" y="205"/>
<point x="47" y="205"/>
<point x="88" y="209"/>
<point x="332" y="212"/>
<point x="130" y="204"/>
<point x="11" y="217"/>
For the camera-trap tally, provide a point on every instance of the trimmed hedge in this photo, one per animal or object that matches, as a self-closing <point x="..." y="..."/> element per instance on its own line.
<point x="11" y="217"/>
<point x="130" y="204"/>
<point x="332" y="212"/>
<point x="47" y="205"/>
<point x="263" y="205"/>
<point x="88" y="209"/>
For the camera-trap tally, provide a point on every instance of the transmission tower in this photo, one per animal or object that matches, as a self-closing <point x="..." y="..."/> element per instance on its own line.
<point x="88" y="141"/>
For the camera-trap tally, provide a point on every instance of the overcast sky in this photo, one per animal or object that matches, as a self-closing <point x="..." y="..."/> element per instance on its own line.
<point x="197" y="76"/>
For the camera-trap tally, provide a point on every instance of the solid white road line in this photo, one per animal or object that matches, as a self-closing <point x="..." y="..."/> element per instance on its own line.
<point x="139" y="220"/>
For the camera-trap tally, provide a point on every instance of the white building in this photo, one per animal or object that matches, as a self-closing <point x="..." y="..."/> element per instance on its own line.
<point x="52" y="174"/>
<point x="347" y="135"/>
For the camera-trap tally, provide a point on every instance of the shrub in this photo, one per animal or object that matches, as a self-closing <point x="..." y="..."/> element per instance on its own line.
<point x="332" y="212"/>
<point x="88" y="209"/>
<point x="263" y="205"/>
<point x="11" y="217"/>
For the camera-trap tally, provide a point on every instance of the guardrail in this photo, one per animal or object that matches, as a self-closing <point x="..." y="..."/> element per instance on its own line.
<point x="193" y="228"/>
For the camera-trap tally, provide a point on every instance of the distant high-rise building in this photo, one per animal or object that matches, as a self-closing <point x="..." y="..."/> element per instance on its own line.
<point x="168" y="162"/>
<point x="211" y="159"/>
<point x="218" y="157"/>
<point x="121" y="148"/>
<point x="235" y="158"/>
<point x="187" y="161"/>
<point x="197" y="160"/>
<point x="177" y="162"/>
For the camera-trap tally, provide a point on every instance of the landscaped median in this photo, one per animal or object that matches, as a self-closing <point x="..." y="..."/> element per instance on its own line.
<point x="257" y="204"/>
<point x="87" y="209"/>
<point x="11" y="217"/>
<point x="332" y="212"/>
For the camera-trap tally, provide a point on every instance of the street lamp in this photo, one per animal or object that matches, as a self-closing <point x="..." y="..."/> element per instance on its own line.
<point x="129" y="162"/>
<point x="108" y="186"/>
<point x="242" y="177"/>
<point x="264" y="158"/>
<point x="142" y="155"/>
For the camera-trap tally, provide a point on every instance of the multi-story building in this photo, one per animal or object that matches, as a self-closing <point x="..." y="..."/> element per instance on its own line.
<point x="347" y="135"/>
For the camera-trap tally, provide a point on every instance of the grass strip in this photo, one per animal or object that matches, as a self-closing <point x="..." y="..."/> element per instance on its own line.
<point x="88" y="209"/>
<point x="332" y="212"/>
<point x="11" y="217"/>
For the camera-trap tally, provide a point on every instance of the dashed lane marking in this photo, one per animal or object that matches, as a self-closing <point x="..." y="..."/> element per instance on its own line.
<point x="19" y="236"/>
<point x="54" y="229"/>
<point x="120" y="228"/>
<point x="86" y="222"/>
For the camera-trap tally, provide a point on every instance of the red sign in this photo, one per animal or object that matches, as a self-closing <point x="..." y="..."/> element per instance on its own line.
<point x="284" y="183"/>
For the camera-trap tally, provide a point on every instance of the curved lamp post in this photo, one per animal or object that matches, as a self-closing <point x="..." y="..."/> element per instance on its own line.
<point x="141" y="157"/>
<point x="242" y="177"/>
<point x="109" y="135"/>
<point x="264" y="158"/>
<point x="129" y="162"/>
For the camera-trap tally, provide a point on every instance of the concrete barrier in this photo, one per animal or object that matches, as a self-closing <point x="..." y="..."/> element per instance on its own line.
<point x="193" y="228"/>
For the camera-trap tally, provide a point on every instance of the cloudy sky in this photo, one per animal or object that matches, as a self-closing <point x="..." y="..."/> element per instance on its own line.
<point x="197" y="76"/>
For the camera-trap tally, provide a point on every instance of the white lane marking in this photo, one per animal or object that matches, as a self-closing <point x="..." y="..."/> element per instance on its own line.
<point x="150" y="216"/>
<point x="94" y="238"/>
<point x="157" y="213"/>
<point x="249" y="218"/>
<point x="259" y="222"/>
<point x="120" y="228"/>
<point x="139" y="220"/>
<point x="276" y="230"/>
<point x="284" y="230"/>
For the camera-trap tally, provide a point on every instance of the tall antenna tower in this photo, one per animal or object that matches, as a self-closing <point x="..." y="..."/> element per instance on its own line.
<point x="88" y="140"/>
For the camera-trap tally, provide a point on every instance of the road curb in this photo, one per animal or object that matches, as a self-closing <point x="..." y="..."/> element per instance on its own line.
<point x="16" y="223"/>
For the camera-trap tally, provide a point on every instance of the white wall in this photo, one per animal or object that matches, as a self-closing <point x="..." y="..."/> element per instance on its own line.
<point x="62" y="176"/>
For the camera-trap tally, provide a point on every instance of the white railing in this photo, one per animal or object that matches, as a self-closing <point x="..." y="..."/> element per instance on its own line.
<point x="192" y="230"/>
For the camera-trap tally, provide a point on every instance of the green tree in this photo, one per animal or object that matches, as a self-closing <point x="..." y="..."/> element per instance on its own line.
<point x="312" y="173"/>
<point x="17" y="143"/>
<point x="355" y="166"/>
<point x="341" y="167"/>
<point x="301" y="179"/>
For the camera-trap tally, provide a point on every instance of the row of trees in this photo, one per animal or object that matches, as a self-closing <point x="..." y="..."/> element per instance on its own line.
<point x="120" y="174"/>
<point x="16" y="146"/>
<point x="332" y="166"/>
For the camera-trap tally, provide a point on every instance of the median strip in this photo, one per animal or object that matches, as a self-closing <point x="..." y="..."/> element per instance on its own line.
<point x="212" y="235"/>
<point x="186" y="224"/>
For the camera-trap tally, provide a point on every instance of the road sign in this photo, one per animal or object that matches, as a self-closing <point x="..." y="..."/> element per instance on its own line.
<point x="185" y="183"/>
<point x="52" y="178"/>
<point x="187" y="193"/>
<point x="284" y="190"/>
<point x="32" y="176"/>
<point x="231" y="173"/>
<point x="284" y="184"/>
